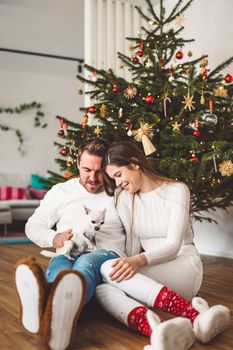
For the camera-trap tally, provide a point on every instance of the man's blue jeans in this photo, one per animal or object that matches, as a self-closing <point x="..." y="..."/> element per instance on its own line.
<point x="88" y="264"/>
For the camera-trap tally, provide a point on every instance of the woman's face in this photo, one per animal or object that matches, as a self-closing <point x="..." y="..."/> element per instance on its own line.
<point x="127" y="178"/>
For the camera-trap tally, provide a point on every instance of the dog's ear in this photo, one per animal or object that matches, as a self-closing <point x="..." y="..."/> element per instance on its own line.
<point x="87" y="211"/>
<point x="104" y="211"/>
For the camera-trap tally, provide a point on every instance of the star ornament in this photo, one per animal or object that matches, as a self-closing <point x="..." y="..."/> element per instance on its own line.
<point x="180" y="20"/>
<point x="176" y="126"/>
<point x="98" y="131"/>
<point x="130" y="92"/>
<point x="188" y="102"/>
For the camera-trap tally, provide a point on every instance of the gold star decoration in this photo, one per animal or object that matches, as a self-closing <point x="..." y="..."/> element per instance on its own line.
<point x="80" y="91"/>
<point x="103" y="111"/>
<point x="188" y="102"/>
<point x="226" y="168"/>
<point x="98" y="131"/>
<point x="220" y="91"/>
<point x="176" y="126"/>
<point x="180" y="20"/>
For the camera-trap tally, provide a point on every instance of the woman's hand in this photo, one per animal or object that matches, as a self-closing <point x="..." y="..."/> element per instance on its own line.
<point x="61" y="237"/>
<point x="125" y="268"/>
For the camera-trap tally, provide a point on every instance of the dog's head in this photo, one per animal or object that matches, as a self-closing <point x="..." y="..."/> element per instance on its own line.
<point x="95" y="217"/>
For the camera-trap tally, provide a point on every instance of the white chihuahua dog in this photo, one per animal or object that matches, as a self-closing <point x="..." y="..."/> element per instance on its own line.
<point x="81" y="241"/>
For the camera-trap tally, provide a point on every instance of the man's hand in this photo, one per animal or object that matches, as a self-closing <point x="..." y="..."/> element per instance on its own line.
<point x="59" y="239"/>
<point x="125" y="268"/>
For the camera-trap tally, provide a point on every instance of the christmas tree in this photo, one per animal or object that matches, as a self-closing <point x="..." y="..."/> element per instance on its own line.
<point x="174" y="108"/>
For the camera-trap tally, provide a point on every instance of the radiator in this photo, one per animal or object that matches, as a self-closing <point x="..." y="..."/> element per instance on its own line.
<point x="107" y="24"/>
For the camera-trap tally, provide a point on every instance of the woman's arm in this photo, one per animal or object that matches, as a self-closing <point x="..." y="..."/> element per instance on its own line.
<point x="125" y="268"/>
<point x="179" y="203"/>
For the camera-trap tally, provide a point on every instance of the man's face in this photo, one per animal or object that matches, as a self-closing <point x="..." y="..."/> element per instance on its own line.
<point x="90" y="172"/>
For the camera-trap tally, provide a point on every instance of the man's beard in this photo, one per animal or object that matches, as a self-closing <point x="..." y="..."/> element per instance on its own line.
<point x="100" y="189"/>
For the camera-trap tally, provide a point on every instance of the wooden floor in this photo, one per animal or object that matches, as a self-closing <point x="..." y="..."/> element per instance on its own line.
<point x="96" y="329"/>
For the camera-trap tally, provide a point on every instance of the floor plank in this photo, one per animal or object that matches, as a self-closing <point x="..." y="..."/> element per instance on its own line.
<point x="96" y="329"/>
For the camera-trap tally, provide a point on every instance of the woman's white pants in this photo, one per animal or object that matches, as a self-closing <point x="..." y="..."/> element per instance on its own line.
<point x="182" y="274"/>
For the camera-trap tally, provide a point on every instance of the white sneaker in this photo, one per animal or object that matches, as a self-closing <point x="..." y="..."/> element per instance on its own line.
<point x="175" y="334"/>
<point x="63" y="308"/>
<point x="32" y="289"/>
<point x="211" y="321"/>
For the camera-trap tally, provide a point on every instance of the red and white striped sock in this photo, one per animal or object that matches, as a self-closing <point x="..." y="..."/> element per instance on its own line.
<point x="169" y="301"/>
<point x="137" y="320"/>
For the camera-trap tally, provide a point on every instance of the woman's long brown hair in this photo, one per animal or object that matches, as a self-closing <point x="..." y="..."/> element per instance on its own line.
<point x="125" y="153"/>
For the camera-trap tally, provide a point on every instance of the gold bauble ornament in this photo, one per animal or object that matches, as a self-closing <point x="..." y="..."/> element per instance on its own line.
<point x="226" y="168"/>
<point x="69" y="161"/>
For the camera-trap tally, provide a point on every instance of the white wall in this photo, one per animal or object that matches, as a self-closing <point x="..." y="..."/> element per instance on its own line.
<point x="209" y="23"/>
<point x="45" y="26"/>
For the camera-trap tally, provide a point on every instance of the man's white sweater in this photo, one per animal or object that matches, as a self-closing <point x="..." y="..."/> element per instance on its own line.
<point x="63" y="206"/>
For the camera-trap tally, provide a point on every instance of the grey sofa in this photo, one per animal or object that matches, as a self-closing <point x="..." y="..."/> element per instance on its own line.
<point x="14" y="209"/>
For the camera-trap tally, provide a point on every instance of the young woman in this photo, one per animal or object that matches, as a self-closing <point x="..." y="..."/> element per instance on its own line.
<point x="156" y="214"/>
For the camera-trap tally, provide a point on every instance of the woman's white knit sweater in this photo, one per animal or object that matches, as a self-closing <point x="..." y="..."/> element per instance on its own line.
<point x="63" y="206"/>
<point x="158" y="219"/>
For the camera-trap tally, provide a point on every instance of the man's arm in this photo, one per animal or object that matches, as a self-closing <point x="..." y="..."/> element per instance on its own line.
<point x="39" y="226"/>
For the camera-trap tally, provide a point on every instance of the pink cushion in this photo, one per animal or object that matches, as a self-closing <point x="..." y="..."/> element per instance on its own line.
<point x="10" y="192"/>
<point x="35" y="193"/>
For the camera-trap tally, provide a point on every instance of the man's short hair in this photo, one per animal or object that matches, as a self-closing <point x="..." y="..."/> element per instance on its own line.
<point x="95" y="146"/>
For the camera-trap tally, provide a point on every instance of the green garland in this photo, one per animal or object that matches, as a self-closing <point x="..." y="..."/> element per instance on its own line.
<point x="38" y="120"/>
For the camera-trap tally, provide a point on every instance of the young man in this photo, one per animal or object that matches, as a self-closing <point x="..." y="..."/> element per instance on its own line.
<point x="52" y="308"/>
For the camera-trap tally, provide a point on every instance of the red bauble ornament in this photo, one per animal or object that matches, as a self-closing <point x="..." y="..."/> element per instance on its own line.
<point x="64" y="151"/>
<point x="193" y="158"/>
<point x="92" y="109"/>
<point x="179" y="55"/>
<point x="196" y="133"/>
<point x="140" y="53"/>
<point x="228" y="78"/>
<point x="115" y="88"/>
<point x="134" y="59"/>
<point x="149" y="99"/>
<point x="141" y="45"/>
<point x="61" y="132"/>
